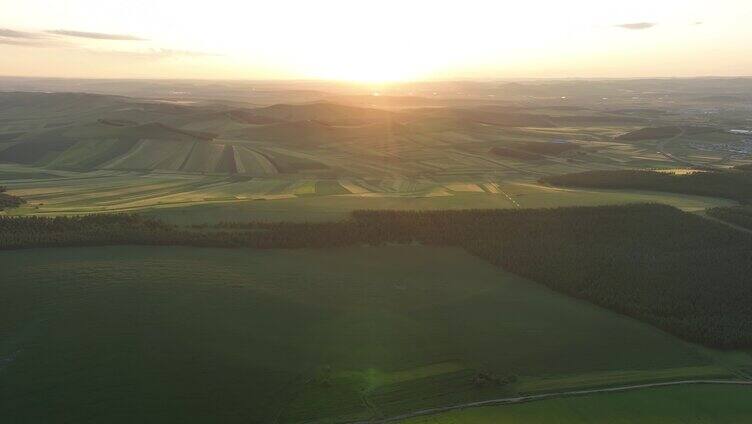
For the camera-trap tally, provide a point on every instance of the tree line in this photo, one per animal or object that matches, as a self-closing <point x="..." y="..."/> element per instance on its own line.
<point x="734" y="185"/>
<point x="680" y="272"/>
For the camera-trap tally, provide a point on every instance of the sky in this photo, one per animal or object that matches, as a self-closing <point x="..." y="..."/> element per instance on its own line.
<point x="375" y="40"/>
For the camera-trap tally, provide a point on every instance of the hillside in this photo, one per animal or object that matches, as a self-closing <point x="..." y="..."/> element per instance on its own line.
<point x="104" y="144"/>
<point x="352" y="139"/>
<point x="326" y="112"/>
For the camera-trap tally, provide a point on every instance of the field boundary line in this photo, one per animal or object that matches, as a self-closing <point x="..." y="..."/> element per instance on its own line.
<point x="547" y="396"/>
<point x="514" y="202"/>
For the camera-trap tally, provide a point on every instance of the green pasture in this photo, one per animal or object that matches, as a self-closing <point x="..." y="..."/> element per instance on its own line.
<point x="672" y="405"/>
<point x="139" y="334"/>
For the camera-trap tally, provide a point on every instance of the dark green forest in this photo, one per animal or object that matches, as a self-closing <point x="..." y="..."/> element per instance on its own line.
<point x="737" y="215"/>
<point x="734" y="185"/>
<point x="678" y="271"/>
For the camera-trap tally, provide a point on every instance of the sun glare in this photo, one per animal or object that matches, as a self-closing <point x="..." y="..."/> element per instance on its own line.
<point x="369" y="41"/>
<point x="370" y="72"/>
<point x="369" y="58"/>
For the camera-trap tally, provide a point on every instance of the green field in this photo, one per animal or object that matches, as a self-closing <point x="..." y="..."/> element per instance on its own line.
<point x="675" y="405"/>
<point x="335" y="208"/>
<point x="124" y="334"/>
<point x="185" y="198"/>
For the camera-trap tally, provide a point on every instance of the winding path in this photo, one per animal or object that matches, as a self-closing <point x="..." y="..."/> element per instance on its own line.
<point x="547" y="396"/>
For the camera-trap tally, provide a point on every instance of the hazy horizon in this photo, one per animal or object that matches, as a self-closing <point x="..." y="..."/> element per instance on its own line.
<point x="375" y="41"/>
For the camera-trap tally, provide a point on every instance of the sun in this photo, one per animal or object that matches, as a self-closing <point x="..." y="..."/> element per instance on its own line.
<point x="372" y="73"/>
<point x="374" y="69"/>
<point x="369" y="60"/>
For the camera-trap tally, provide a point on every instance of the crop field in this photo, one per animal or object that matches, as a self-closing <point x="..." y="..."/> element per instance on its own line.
<point x="300" y="335"/>
<point x="71" y="153"/>
<point x="190" y="198"/>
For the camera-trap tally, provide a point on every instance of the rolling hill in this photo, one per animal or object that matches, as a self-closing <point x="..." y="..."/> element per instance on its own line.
<point x="82" y="132"/>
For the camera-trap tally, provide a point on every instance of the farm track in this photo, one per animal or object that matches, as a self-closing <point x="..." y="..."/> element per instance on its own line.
<point x="514" y="202"/>
<point x="548" y="396"/>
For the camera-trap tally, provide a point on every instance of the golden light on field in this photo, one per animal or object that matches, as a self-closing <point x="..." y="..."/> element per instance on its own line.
<point x="372" y="40"/>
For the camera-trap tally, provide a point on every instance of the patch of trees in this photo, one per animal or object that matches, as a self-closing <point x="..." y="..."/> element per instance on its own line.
<point x="727" y="184"/>
<point x="102" y="230"/>
<point x="678" y="271"/>
<point x="9" y="201"/>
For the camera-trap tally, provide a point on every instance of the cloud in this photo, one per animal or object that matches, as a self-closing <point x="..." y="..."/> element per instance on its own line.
<point x="95" y="35"/>
<point x="184" y="53"/>
<point x="19" y="42"/>
<point x="16" y="42"/>
<point x="152" y="54"/>
<point x="637" y="25"/>
<point x="60" y="38"/>
<point x="28" y="39"/>
<point x="10" y="33"/>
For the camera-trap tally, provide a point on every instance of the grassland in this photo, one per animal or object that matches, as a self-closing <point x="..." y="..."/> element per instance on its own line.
<point x="675" y="405"/>
<point x="192" y="199"/>
<point x="125" y="334"/>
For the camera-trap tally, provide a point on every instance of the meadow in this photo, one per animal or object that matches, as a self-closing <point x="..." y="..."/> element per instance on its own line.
<point x="149" y="334"/>
<point x="676" y="405"/>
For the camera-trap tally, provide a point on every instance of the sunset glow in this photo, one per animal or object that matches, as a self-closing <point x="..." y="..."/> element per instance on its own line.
<point x="374" y="41"/>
